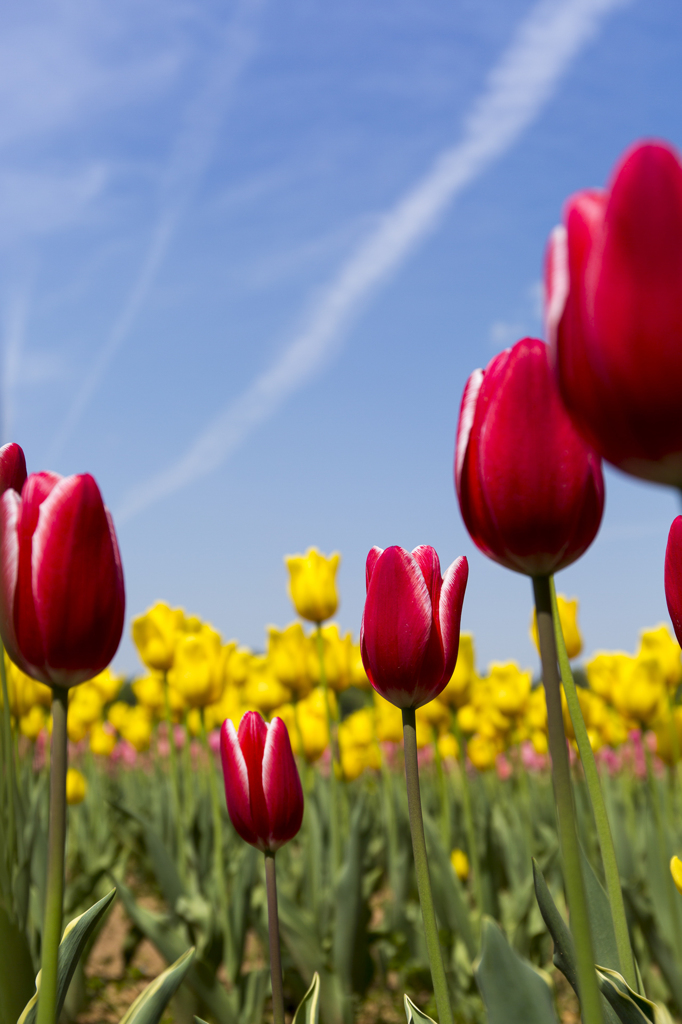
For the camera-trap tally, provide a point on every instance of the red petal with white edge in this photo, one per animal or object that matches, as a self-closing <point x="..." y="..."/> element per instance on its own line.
<point x="77" y="581"/>
<point x="372" y="559"/>
<point x="466" y="420"/>
<point x="429" y="563"/>
<point x="397" y="625"/>
<point x="282" y="785"/>
<point x="253" y="733"/>
<point x="10" y="504"/>
<point x="236" y="779"/>
<point x="12" y="467"/>
<point x="450" y="610"/>
<point x="673" y="575"/>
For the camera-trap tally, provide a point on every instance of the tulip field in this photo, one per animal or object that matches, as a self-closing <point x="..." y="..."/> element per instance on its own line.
<point x="337" y="827"/>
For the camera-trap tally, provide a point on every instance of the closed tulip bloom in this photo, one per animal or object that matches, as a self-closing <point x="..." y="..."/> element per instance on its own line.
<point x="410" y="625"/>
<point x="262" y="786"/>
<point x="673" y="576"/>
<point x="614" y="313"/>
<point x="62" y="598"/>
<point x="530" y="489"/>
<point x="312" y="584"/>
<point x="198" y="672"/>
<point x="12" y="468"/>
<point x="568" y="615"/>
<point x="156" y="634"/>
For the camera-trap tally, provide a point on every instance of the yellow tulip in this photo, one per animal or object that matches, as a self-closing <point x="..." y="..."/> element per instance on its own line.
<point x="156" y="633"/>
<point x="640" y="693"/>
<point x="118" y="714"/>
<point x="676" y="872"/>
<point x="389" y="721"/>
<point x="435" y="713"/>
<point x="263" y="690"/>
<point x="32" y="723"/>
<point x="448" y="747"/>
<point x="137" y="729"/>
<point x="660" y="645"/>
<point x="467" y="718"/>
<point x="107" y="684"/>
<point x="85" y="703"/>
<point x="24" y="692"/>
<point x="312" y="584"/>
<point x="76" y="786"/>
<point x="539" y="741"/>
<point x="607" y="671"/>
<point x="76" y="728"/>
<point x="358" y="728"/>
<point x="315" y="704"/>
<point x="149" y="692"/>
<point x="666" y="748"/>
<point x="614" y="729"/>
<point x="536" y="710"/>
<point x="337" y="653"/>
<point x="198" y="672"/>
<point x="102" y="740"/>
<point x="460" y="864"/>
<point x="288" y="654"/>
<point x="238" y="665"/>
<point x="358" y="676"/>
<point x="509" y="687"/>
<point x="457" y="691"/>
<point x="482" y="752"/>
<point x="568" y="616"/>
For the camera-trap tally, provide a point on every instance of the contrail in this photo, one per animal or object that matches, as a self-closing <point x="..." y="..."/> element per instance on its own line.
<point x="517" y="89"/>
<point x="190" y="157"/>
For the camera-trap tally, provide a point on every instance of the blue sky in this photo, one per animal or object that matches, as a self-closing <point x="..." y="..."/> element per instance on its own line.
<point x="251" y="251"/>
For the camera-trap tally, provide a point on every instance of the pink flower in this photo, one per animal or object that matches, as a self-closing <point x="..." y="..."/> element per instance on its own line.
<point x="614" y="313"/>
<point x="262" y="786"/>
<point x="409" y="636"/>
<point x="62" y="598"/>
<point x="12" y="468"/>
<point x="530" y="490"/>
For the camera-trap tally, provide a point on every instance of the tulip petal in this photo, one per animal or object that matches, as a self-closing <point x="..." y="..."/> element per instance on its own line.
<point x="253" y="732"/>
<point x="397" y="626"/>
<point x="450" y="611"/>
<point x="673" y="576"/>
<point x="12" y="467"/>
<point x="77" y="581"/>
<point x="236" y="778"/>
<point x="10" y="504"/>
<point x="466" y="421"/>
<point x="282" y="785"/>
<point x="372" y="559"/>
<point x="429" y="563"/>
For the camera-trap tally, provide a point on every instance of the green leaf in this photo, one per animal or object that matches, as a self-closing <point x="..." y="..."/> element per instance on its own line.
<point x="512" y="990"/>
<point x="415" y="1015"/>
<point x="629" y="1006"/>
<point x="601" y="919"/>
<point x="564" y="949"/>
<point x="17" y="978"/>
<point x="660" y="950"/>
<point x="76" y="935"/>
<point x="150" y="1004"/>
<point x="308" y="1010"/>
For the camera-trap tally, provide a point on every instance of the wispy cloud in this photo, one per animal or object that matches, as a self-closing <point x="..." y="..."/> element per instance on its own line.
<point x="517" y="89"/>
<point x="190" y="157"/>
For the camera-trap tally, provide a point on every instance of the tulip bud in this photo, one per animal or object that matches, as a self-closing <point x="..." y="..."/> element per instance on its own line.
<point x="673" y="576"/>
<point x="530" y="490"/>
<point x="312" y="584"/>
<point x="12" y="468"/>
<point x="410" y="625"/>
<point x="614" y="313"/>
<point x="62" y="597"/>
<point x="262" y="786"/>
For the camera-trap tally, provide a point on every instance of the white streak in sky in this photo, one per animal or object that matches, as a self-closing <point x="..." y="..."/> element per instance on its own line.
<point x="517" y="89"/>
<point x="191" y="155"/>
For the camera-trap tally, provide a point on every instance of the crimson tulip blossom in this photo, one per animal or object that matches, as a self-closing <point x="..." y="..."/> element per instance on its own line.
<point x="530" y="489"/>
<point x="12" y="467"/>
<point x="409" y="636"/>
<point x="62" y="598"/>
<point x="614" y="313"/>
<point x="673" y="576"/>
<point x="262" y="785"/>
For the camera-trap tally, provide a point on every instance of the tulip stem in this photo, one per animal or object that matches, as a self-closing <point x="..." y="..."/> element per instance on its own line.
<point x="273" y="935"/>
<point x="175" y="782"/>
<point x="590" y="999"/>
<point x="608" y="851"/>
<point x="421" y="867"/>
<point x="56" y="842"/>
<point x="335" y="840"/>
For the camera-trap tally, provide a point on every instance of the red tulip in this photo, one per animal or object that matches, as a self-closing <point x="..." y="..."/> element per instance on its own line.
<point x="530" y="490"/>
<point x="62" y="598"/>
<point x="673" y="576"/>
<point x="262" y="787"/>
<point x="12" y="467"/>
<point x="614" y="314"/>
<point x="409" y="636"/>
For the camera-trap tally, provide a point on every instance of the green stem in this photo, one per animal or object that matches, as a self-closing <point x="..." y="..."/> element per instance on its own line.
<point x="663" y="848"/>
<point x="421" y="866"/>
<point x="273" y="935"/>
<point x="590" y="999"/>
<point x="608" y="851"/>
<point x="56" y="843"/>
<point x="335" y="838"/>
<point x="469" y="825"/>
<point x="175" y="781"/>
